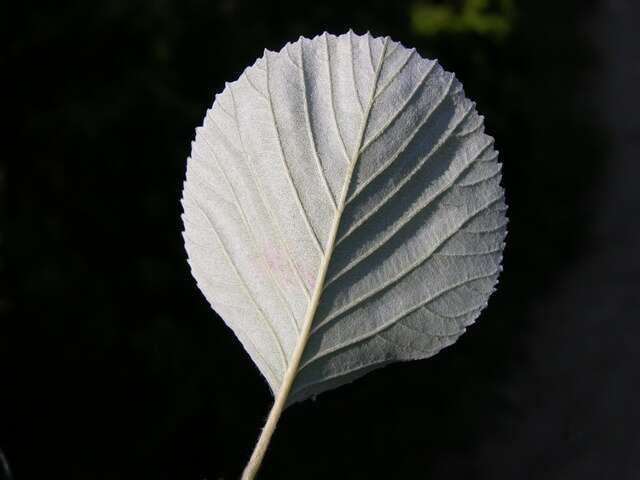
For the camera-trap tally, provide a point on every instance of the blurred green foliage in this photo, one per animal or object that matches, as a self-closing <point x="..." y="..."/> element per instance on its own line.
<point x="489" y="18"/>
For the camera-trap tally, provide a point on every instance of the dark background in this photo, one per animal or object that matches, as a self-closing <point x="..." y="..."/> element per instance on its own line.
<point x="113" y="366"/>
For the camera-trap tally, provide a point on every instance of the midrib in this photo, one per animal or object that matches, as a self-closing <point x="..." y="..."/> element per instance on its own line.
<point x="331" y="241"/>
<point x="294" y="363"/>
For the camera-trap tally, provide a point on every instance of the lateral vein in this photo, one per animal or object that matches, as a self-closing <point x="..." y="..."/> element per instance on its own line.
<point x="331" y="101"/>
<point x="254" y="240"/>
<point x="399" y="111"/>
<point x="303" y="212"/>
<point x="353" y="72"/>
<point x="396" y="73"/>
<point x="386" y="325"/>
<point x="405" y="272"/>
<point x="312" y="139"/>
<point x="413" y="213"/>
<point x="244" y="285"/>
<point x="263" y="199"/>
<point x="400" y="150"/>
<point x="404" y="181"/>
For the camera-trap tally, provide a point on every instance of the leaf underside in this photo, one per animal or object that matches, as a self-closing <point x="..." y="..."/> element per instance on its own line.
<point x="352" y="170"/>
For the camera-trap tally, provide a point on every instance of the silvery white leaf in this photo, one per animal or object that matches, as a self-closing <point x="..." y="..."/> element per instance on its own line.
<point x="343" y="210"/>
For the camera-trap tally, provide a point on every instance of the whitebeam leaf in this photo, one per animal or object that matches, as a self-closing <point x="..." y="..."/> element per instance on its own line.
<point x="342" y="210"/>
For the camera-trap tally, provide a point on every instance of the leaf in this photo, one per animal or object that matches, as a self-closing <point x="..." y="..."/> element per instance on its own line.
<point x="343" y="210"/>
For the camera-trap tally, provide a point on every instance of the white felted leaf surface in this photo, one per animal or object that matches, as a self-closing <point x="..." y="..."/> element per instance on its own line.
<point x="343" y="210"/>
